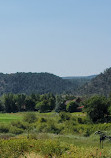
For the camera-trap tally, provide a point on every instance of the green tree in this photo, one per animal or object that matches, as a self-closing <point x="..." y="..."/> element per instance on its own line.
<point x="20" y="101"/>
<point x="10" y="103"/>
<point x="97" y="108"/>
<point x="2" y="108"/>
<point x="42" y="106"/>
<point x="71" y="106"/>
<point x="30" y="104"/>
<point x="60" y="104"/>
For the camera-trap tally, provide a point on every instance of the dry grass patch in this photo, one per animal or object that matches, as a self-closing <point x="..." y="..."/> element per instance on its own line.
<point x="31" y="155"/>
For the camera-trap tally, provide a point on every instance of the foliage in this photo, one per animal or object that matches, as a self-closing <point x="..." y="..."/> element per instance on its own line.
<point x="4" y="128"/>
<point x="15" y="130"/>
<point x="72" y="106"/>
<point x="29" y="83"/>
<point x="97" y="108"/>
<point x="30" y="117"/>
<point x="64" y="116"/>
<point x="10" y="103"/>
<point x="100" y="85"/>
<point x="15" y="148"/>
<point x="60" y="104"/>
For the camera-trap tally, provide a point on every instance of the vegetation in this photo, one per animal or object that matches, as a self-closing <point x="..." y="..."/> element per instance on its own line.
<point x="97" y="108"/>
<point x="41" y="83"/>
<point x="51" y="125"/>
<point x="79" y="81"/>
<point x="52" y="135"/>
<point x="101" y="85"/>
<point x="35" y="102"/>
<point x="28" y="83"/>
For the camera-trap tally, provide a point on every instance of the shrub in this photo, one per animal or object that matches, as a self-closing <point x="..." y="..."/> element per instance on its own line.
<point x="6" y="136"/>
<point x="64" y="116"/>
<point x="52" y="128"/>
<point x="19" y="124"/>
<point x="30" y="117"/>
<point x="42" y="119"/>
<point x="15" y="130"/>
<point x="4" y="128"/>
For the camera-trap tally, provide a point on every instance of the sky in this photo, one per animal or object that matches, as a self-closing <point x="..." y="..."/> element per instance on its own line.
<point x="63" y="37"/>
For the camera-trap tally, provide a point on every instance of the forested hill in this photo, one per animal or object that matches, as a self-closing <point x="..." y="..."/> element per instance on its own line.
<point x="33" y="83"/>
<point x="101" y="84"/>
<point x="79" y="81"/>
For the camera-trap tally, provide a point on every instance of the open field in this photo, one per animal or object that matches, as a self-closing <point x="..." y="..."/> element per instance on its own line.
<point x="9" y="117"/>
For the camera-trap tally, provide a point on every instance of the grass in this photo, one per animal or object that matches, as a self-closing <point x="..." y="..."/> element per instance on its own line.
<point x="45" y="143"/>
<point x="49" y="148"/>
<point x="9" y="117"/>
<point x="31" y="155"/>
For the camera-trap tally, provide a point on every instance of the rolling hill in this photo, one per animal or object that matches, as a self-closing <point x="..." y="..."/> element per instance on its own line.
<point x="33" y="83"/>
<point x="79" y="81"/>
<point x="101" y="85"/>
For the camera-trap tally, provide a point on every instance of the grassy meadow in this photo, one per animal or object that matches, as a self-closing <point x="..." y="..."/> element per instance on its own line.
<point x="49" y="135"/>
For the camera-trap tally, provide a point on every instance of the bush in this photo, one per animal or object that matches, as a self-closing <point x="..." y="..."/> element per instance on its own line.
<point x="6" y="136"/>
<point x="21" y="125"/>
<point x="4" y="128"/>
<point x="42" y="119"/>
<point x="30" y="117"/>
<point x="64" y="116"/>
<point x="52" y="128"/>
<point x="15" y="130"/>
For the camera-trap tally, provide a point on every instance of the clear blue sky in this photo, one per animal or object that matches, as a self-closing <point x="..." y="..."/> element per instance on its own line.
<point x="63" y="37"/>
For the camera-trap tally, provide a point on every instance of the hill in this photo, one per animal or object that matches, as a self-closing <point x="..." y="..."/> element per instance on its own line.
<point x="79" y="81"/>
<point x="101" y="84"/>
<point x="33" y="83"/>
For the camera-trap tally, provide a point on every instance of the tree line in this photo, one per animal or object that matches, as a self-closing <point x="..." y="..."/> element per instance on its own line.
<point x="97" y="108"/>
<point x="36" y="102"/>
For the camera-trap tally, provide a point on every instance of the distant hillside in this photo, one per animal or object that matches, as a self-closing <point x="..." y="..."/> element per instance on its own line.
<point x="79" y="81"/>
<point x="101" y="84"/>
<point x="33" y="83"/>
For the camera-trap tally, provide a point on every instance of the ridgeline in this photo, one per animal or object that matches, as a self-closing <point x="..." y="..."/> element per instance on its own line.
<point x="33" y="83"/>
<point x="101" y="85"/>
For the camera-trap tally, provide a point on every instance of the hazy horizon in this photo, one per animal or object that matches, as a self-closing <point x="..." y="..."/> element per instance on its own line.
<point x="62" y="37"/>
<point x="50" y="73"/>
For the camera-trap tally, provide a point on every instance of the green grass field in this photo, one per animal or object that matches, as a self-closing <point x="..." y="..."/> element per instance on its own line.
<point x="8" y="118"/>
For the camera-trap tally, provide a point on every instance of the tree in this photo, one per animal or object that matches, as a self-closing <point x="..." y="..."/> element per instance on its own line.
<point x="30" y="104"/>
<point x="20" y="101"/>
<point x="10" y="103"/>
<point x="60" y="104"/>
<point x="42" y="106"/>
<point x="2" y="108"/>
<point x="97" y="108"/>
<point x="71" y="106"/>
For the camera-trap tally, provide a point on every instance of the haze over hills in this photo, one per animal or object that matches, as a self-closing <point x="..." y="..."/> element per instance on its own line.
<point x="79" y="77"/>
